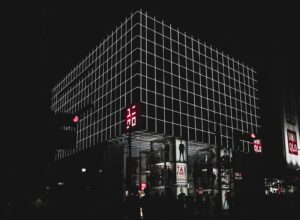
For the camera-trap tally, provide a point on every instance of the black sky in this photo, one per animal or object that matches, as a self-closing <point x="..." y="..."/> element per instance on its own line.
<point x="50" y="37"/>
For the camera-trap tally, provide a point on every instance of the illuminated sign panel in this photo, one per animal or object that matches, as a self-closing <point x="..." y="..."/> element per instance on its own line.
<point x="132" y="117"/>
<point x="181" y="150"/>
<point x="292" y="142"/>
<point x="257" y="146"/>
<point x="143" y="186"/>
<point x="181" y="173"/>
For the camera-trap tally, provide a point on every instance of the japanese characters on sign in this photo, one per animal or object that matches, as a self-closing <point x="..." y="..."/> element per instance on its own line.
<point x="181" y="173"/>
<point x="292" y="142"/>
<point x="257" y="146"/>
<point x="132" y="117"/>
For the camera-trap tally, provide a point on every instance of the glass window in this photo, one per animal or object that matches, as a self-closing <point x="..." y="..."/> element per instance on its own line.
<point x="168" y="103"/>
<point x="168" y="116"/>
<point x="176" y="104"/>
<point x="198" y="112"/>
<point x="169" y="129"/>
<point x="151" y="97"/>
<point x="151" y="85"/>
<point x="176" y="117"/>
<point x="175" y="59"/>
<point x="197" y="89"/>
<point x="167" y="54"/>
<point x="159" y="39"/>
<point x="190" y="87"/>
<point x="160" y="127"/>
<point x="205" y="137"/>
<point x="191" y="134"/>
<point x="191" y="121"/>
<point x="184" y="107"/>
<point x="168" y="66"/>
<point x="175" y="81"/>
<point x="190" y="98"/>
<point x="159" y="87"/>
<point x="199" y="135"/>
<point x="160" y="113"/>
<point x="184" y="132"/>
<point x="150" y="72"/>
<point x="167" y="78"/>
<point x="150" y="59"/>
<point x="175" y="93"/>
<point x="159" y="100"/>
<point x="151" y="124"/>
<point x="176" y="130"/>
<point x="183" y="95"/>
<point x="167" y="42"/>
<point x="159" y="63"/>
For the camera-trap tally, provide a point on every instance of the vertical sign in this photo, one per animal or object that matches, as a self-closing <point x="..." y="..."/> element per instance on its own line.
<point x="257" y="146"/>
<point x="181" y="150"/>
<point x="181" y="173"/>
<point x="181" y="166"/>
<point x="291" y="132"/>
<point x="132" y="117"/>
<point x="292" y="142"/>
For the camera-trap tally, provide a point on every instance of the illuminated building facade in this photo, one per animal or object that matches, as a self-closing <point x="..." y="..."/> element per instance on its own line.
<point x="183" y="86"/>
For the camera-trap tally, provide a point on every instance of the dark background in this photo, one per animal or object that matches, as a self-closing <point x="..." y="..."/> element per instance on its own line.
<point x="47" y="38"/>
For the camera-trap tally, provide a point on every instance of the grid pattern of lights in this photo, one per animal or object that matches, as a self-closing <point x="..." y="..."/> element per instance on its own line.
<point x="104" y="79"/>
<point x="183" y="85"/>
<point x="187" y="87"/>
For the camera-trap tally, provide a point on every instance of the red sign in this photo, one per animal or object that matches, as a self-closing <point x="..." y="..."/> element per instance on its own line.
<point x="181" y="173"/>
<point x="292" y="142"/>
<point x="132" y="117"/>
<point x="257" y="146"/>
<point x="143" y="186"/>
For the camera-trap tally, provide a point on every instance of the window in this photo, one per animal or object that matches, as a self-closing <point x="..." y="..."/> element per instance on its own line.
<point x="168" y="116"/>
<point x="160" y="127"/>
<point x="175" y="93"/>
<point x="160" y="113"/>
<point x="168" y="91"/>
<point x="168" y="102"/>
<point x="159" y="87"/>
<point x="159" y="100"/>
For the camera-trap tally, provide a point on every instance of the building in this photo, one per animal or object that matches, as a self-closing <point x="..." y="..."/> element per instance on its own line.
<point x="182" y="87"/>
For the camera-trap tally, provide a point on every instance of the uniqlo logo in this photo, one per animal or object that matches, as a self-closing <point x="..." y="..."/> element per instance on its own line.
<point x="292" y="142"/>
<point x="257" y="146"/>
<point x="132" y="117"/>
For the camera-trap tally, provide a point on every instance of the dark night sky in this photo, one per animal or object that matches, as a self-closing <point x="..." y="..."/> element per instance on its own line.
<point x="50" y="37"/>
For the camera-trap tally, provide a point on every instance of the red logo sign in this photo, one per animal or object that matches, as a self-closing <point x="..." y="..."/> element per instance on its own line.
<point x="181" y="173"/>
<point x="143" y="186"/>
<point x="132" y="117"/>
<point x="257" y="146"/>
<point x="292" y="142"/>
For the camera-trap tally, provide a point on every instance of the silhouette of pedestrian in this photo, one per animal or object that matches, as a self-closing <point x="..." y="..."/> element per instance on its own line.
<point x="171" y="209"/>
<point x="157" y="206"/>
<point x="228" y="199"/>
<point x="132" y="206"/>
<point x="182" y="196"/>
<point x="168" y="175"/>
<point x="146" y="205"/>
<point x="182" y="204"/>
<point x="181" y="151"/>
